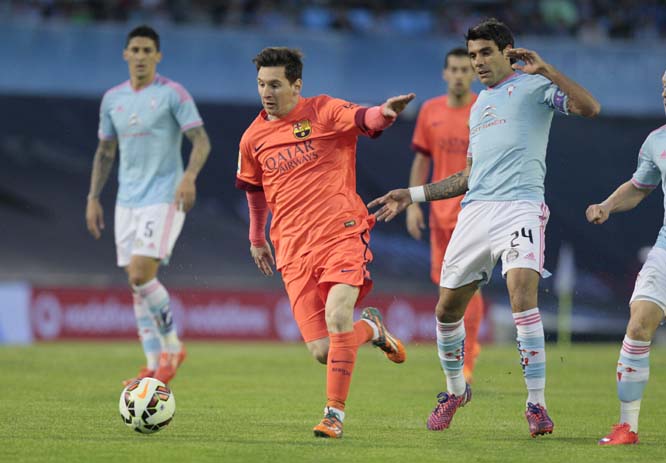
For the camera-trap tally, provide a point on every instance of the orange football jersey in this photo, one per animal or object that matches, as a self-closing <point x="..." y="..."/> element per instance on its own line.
<point x="443" y="134"/>
<point x="306" y="164"/>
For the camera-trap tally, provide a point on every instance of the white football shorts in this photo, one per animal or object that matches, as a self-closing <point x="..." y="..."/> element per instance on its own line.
<point x="489" y="230"/>
<point x="651" y="280"/>
<point x="149" y="231"/>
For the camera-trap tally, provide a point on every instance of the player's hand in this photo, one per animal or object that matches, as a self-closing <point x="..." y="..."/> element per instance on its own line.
<point x="597" y="214"/>
<point x="395" y="105"/>
<point x="263" y="257"/>
<point x="393" y="203"/>
<point x="95" y="217"/>
<point x="186" y="194"/>
<point x="415" y="222"/>
<point x="534" y="64"/>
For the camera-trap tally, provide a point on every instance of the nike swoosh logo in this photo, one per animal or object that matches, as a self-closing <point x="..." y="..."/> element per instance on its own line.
<point x="142" y="394"/>
<point x="257" y="148"/>
<point x="341" y="361"/>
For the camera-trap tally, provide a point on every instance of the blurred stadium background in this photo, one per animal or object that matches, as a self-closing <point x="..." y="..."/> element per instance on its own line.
<point x="59" y="57"/>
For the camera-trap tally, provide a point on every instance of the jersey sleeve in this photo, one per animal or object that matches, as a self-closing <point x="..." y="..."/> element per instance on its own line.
<point x="106" y="130"/>
<point x="420" y="141"/>
<point x="470" y="144"/>
<point x="647" y="174"/>
<point x="551" y="95"/>
<point x="183" y="108"/>
<point x="248" y="173"/>
<point x="343" y="116"/>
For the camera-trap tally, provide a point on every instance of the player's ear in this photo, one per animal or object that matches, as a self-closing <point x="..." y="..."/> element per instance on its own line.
<point x="298" y="85"/>
<point x="125" y="54"/>
<point x="505" y="52"/>
<point x="158" y="57"/>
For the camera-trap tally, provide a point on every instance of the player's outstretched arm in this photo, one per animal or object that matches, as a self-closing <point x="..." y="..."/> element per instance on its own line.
<point x="102" y="164"/>
<point x="581" y="102"/>
<point x="392" y="204"/>
<point x="396" y="201"/>
<point x="186" y="193"/>
<point x="395" y="105"/>
<point x="625" y="198"/>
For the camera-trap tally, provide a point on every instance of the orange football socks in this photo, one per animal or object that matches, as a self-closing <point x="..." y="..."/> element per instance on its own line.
<point x="341" y="360"/>
<point x="363" y="332"/>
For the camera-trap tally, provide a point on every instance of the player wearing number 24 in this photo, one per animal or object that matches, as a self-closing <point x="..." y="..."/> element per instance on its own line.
<point x="503" y="213"/>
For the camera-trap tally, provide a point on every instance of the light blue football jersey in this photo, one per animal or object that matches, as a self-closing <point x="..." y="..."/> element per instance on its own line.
<point x="508" y="135"/>
<point x="651" y="170"/>
<point x="149" y="125"/>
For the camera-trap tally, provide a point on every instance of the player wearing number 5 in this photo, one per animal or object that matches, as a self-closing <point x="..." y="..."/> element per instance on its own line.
<point x="145" y="117"/>
<point x="503" y="213"/>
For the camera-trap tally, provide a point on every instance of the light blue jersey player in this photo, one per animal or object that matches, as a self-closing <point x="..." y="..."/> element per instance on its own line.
<point x="145" y="118"/>
<point x="648" y="301"/>
<point x="509" y="126"/>
<point x="504" y="214"/>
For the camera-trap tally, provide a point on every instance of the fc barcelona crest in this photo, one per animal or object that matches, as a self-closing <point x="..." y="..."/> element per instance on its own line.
<point x="302" y="129"/>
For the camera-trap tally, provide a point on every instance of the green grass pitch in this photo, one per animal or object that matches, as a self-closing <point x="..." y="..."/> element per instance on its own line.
<point x="258" y="402"/>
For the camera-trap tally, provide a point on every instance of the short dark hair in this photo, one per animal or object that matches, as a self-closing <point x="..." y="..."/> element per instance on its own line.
<point x="144" y="31"/>
<point x="458" y="51"/>
<point x="290" y="58"/>
<point x="491" y="29"/>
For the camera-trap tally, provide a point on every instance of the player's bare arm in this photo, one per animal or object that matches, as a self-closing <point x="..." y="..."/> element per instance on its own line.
<point x="450" y="187"/>
<point x="102" y="165"/>
<point x="395" y="105"/>
<point x="581" y="102"/>
<point x="396" y="201"/>
<point x="625" y="198"/>
<point x="186" y="192"/>
<point x="417" y="176"/>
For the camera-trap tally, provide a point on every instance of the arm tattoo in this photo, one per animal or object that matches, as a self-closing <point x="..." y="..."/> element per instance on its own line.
<point x="455" y="185"/>
<point x="102" y="165"/>
<point x="200" y="149"/>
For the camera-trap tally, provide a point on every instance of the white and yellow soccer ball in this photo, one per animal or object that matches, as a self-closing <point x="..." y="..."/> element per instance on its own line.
<point x="147" y="405"/>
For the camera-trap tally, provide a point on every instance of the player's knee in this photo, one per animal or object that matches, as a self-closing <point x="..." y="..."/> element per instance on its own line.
<point x="319" y="351"/>
<point x="137" y="278"/>
<point x="335" y="322"/>
<point x="321" y="356"/>
<point x="339" y="320"/>
<point x="638" y="330"/>
<point x="447" y="311"/>
<point x="523" y="299"/>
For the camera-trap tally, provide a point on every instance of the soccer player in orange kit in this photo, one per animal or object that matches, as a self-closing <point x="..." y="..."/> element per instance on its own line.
<point x="297" y="159"/>
<point x="441" y="137"/>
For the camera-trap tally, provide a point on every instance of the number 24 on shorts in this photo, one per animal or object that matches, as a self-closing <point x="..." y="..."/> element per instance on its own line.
<point x="524" y="233"/>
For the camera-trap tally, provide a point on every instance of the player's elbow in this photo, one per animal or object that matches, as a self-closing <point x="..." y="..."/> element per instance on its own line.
<point x="591" y="110"/>
<point x="203" y="144"/>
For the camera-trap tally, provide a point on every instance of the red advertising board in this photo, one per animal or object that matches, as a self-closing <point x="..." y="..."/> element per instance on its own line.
<point x="85" y="313"/>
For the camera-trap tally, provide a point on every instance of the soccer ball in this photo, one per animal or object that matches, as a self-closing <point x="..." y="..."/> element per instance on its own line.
<point x="147" y="405"/>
